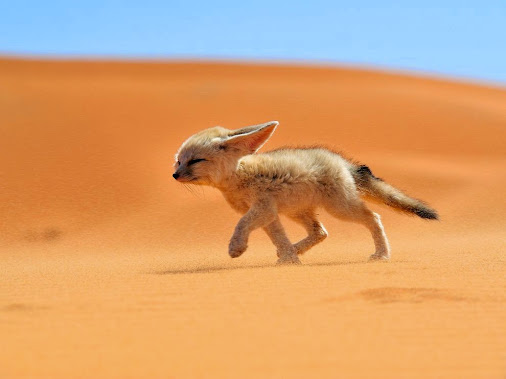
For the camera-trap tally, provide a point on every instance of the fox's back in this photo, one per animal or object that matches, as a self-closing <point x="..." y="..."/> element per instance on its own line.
<point x="295" y="176"/>
<point x="292" y="165"/>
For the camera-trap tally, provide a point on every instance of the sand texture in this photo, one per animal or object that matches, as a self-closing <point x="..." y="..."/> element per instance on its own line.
<point x="109" y="268"/>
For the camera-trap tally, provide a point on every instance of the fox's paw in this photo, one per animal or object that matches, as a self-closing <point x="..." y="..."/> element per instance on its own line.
<point x="288" y="260"/>
<point x="235" y="250"/>
<point x="297" y="250"/>
<point x="379" y="257"/>
<point x="236" y="253"/>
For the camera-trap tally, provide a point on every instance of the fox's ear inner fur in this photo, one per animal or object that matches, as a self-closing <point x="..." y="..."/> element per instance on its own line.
<point x="251" y="138"/>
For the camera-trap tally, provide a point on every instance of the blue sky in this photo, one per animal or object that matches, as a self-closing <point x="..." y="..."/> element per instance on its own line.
<point x="463" y="39"/>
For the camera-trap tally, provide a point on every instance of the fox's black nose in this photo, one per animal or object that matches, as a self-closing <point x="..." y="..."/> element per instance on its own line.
<point x="175" y="176"/>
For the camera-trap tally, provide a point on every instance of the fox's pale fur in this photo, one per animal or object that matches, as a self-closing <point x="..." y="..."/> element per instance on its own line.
<point x="291" y="181"/>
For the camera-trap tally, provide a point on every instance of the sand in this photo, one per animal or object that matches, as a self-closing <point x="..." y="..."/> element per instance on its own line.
<point x="112" y="269"/>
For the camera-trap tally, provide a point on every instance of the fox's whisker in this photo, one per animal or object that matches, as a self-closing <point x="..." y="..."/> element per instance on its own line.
<point x="189" y="189"/>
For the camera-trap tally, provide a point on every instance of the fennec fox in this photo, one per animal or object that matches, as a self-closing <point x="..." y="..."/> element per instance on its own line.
<point x="290" y="181"/>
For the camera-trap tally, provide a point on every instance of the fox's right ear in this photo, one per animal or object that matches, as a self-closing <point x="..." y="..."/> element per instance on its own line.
<point x="250" y="138"/>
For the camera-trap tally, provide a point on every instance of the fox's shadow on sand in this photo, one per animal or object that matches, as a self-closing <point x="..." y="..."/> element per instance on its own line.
<point x="212" y="269"/>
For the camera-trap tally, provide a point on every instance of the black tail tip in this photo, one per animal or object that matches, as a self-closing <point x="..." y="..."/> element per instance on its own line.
<point x="428" y="214"/>
<point x="365" y="171"/>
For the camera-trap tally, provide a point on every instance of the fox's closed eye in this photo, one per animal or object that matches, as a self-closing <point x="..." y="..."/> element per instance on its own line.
<point x="193" y="161"/>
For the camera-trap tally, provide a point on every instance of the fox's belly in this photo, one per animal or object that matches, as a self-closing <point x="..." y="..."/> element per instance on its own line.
<point x="291" y="197"/>
<point x="295" y="203"/>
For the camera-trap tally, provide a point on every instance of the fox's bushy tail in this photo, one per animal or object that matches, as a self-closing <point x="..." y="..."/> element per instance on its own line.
<point x="376" y="189"/>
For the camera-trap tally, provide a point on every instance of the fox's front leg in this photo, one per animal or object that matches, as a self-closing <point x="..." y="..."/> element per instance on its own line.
<point x="260" y="214"/>
<point x="286" y="251"/>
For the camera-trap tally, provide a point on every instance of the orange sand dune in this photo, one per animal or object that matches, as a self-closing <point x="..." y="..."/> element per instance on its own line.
<point x="109" y="268"/>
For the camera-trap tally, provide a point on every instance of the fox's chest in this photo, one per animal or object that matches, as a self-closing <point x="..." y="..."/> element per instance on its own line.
<point x="238" y="200"/>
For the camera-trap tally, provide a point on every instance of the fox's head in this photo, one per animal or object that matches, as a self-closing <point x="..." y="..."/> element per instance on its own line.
<point x="210" y="156"/>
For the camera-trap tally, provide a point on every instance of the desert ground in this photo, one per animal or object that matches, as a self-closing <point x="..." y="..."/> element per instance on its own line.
<point x="109" y="268"/>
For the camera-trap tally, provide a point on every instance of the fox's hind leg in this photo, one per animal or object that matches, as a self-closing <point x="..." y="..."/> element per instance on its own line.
<point x="358" y="212"/>
<point x="373" y="222"/>
<point x="315" y="230"/>
<point x="286" y="251"/>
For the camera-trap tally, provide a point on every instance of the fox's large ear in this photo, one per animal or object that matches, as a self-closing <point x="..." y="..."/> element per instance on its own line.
<point x="250" y="138"/>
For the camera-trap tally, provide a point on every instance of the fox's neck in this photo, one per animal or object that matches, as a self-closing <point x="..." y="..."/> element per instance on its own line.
<point x="228" y="176"/>
<point x="227" y="181"/>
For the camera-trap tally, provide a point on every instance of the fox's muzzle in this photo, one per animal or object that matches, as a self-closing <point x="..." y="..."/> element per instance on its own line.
<point x="183" y="176"/>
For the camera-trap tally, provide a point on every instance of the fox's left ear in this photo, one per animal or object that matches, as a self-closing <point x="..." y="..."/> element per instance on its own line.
<point x="250" y="138"/>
